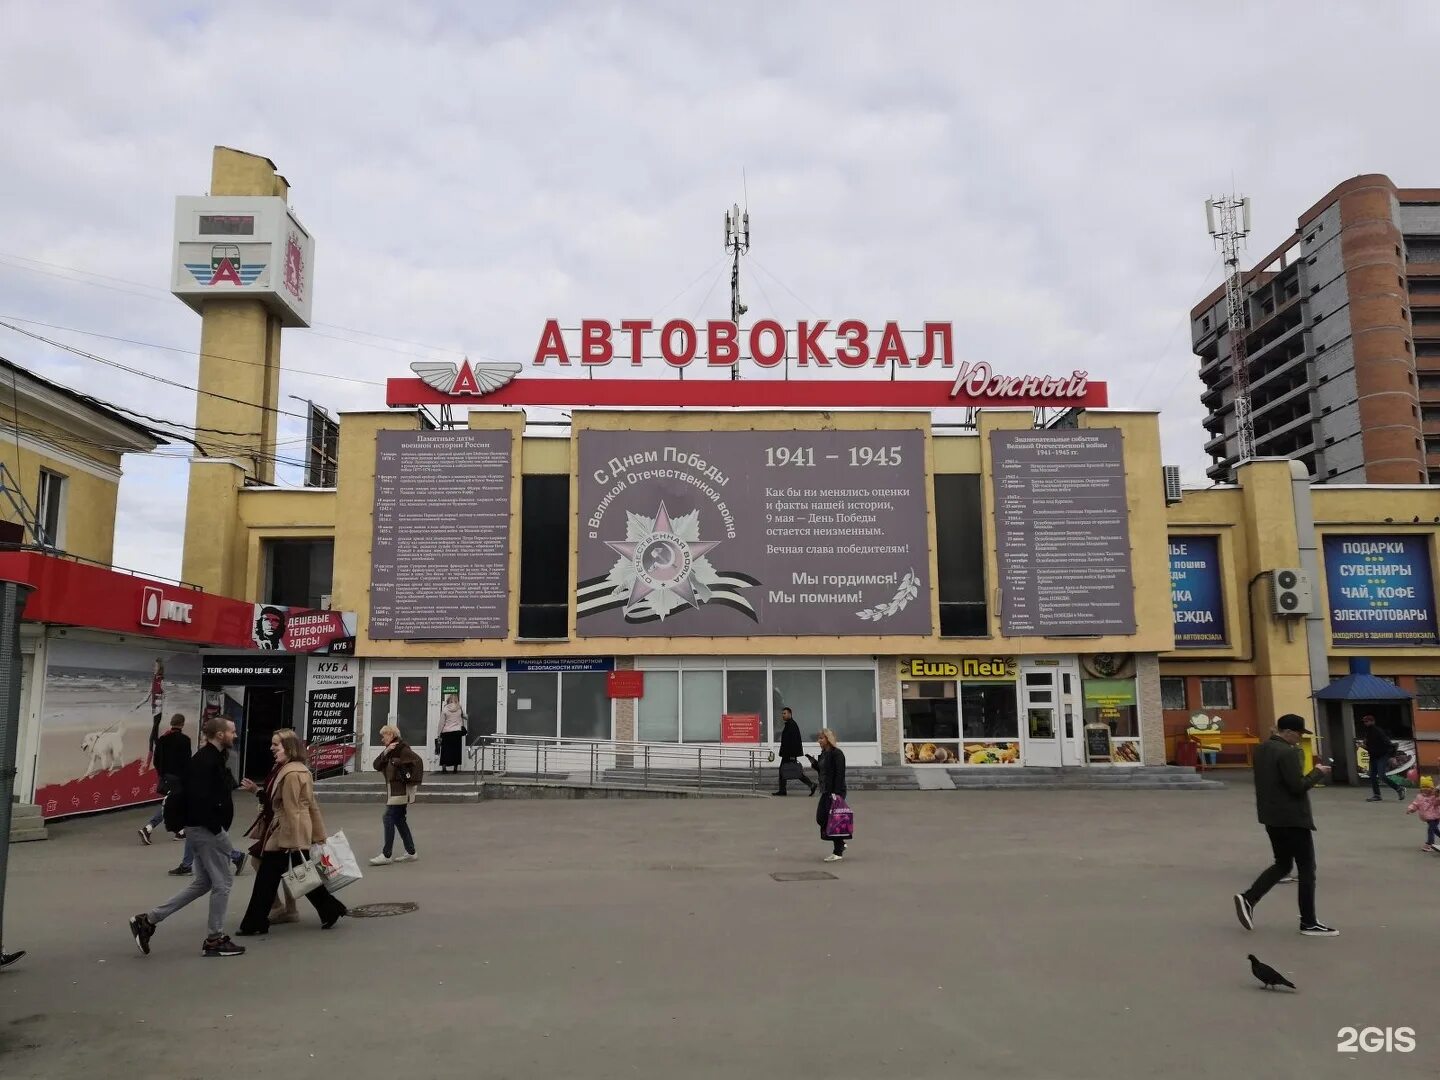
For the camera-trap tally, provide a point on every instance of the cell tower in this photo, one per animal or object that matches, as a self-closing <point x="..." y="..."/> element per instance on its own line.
<point x="1228" y="217"/>
<point x="737" y="239"/>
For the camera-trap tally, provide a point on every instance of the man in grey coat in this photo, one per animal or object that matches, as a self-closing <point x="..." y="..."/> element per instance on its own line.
<point x="1282" y="803"/>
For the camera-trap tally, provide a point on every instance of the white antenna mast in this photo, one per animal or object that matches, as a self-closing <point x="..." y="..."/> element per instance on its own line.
<point x="737" y="240"/>
<point x="1233" y="212"/>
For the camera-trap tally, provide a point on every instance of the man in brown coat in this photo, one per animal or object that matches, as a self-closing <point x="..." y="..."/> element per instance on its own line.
<point x="404" y="772"/>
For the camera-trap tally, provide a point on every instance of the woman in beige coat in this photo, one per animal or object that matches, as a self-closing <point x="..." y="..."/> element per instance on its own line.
<point x="289" y="823"/>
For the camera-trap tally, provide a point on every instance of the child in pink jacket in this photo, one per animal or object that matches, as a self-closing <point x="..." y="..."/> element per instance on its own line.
<point x="1427" y="805"/>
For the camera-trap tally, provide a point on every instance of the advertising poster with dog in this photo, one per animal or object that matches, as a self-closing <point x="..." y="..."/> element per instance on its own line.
<point x="98" y="718"/>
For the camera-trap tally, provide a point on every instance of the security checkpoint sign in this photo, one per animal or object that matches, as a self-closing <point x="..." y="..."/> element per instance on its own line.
<point x="744" y="533"/>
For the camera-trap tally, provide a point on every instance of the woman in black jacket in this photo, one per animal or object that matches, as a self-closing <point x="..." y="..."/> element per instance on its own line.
<point x="830" y="765"/>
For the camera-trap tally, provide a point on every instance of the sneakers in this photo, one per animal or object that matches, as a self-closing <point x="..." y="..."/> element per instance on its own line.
<point x="180" y="871"/>
<point x="222" y="946"/>
<point x="1431" y="848"/>
<point x="178" y="835"/>
<point x="1291" y="880"/>
<point x="1318" y="929"/>
<point x="832" y="857"/>
<point x="1244" y="911"/>
<point x="1373" y="798"/>
<point x="145" y="835"/>
<point x="409" y="856"/>
<point x="1400" y="793"/>
<point x="381" y="860"/>
<point x="8" y="958"/>
<point x="779" y="793"/>
<point x="142" y="930"/>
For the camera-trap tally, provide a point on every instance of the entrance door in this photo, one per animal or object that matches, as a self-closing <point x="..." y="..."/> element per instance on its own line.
<point x="267" y="709"/>
<point x="479" y="697"/>
<point x="1041" y="720"/>
<point x="402" y="698"/>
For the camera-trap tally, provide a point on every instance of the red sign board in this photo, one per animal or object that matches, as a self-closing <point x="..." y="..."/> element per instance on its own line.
<point x="844" y="347"/>
<point x="740" y="728"/>
<point x="69" y="593"/>
<point x="625" y="684"/>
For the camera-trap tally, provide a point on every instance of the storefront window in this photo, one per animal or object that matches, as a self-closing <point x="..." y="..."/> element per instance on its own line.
<point x="801" y="690"/>
<point x="850" y="704"/>
<point x="931" y="710"/>
<point x="534" y="703"/>
<point x="745" y="692"/>
<point x="584" y="705"/>
<point x="1112" y="702"/>
<point x="702" y="702"/>
<point x="989" y="711"/>
<point x="659" y="713"/>
<point x="1427" y="693"/>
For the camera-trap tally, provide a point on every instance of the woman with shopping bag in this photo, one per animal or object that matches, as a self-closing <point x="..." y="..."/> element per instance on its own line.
<point x="830" y="766"/>
<point x="284" y="833"/>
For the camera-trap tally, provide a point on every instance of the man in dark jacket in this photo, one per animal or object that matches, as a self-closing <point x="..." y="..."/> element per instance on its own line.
<point x="1282" y="803"/>
<point x="1381" y="749"/>
<point x="172" y="755"/>
<point x="206" y="788"/>
<point x="791" y="749"/>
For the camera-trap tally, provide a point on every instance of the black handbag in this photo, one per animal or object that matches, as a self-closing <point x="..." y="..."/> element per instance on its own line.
<point x="792" y="770"/>
<point x="437" y="745"/>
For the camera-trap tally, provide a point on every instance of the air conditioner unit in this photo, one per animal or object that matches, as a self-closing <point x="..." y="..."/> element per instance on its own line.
<point x="1172" y="484"/>
<point x="1292" y="592"/>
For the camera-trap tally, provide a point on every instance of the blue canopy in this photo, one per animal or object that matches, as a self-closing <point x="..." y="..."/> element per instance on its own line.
<point x="1360" y="685"/>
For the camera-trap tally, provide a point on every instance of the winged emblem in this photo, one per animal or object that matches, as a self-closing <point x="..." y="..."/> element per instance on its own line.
<point x="465" y="378"/>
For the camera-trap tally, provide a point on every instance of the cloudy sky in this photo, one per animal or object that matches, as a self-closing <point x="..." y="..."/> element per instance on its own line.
<point x="1034" y="173"/>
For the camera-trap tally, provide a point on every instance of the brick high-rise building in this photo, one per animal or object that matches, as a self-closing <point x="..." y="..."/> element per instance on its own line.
<point x="1343" y="342"/>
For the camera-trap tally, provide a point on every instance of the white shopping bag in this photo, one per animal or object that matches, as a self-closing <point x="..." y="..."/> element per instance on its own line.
<point x="338" y="865"/>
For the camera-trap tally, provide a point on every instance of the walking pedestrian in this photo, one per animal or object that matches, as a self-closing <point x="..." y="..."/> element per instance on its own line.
<point x="171" y="755"/>
<point x="209" y="809"/>
<point x="1427" y="805"/>
<point x="791" y="748"/>
<point x="1381" y="749"/>
<point x="452" y="733"/>
<point x="1282" y="803"/>
<point x="830" y="767"/>
<point x="289" y="823"/>
<point x="404" y="772"/>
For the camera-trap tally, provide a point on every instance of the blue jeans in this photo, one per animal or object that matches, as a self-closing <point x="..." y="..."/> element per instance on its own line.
<point x="1432" y="832"/>
<point x="395" y="820"/>
<point x="1378" y="773"/>
<point x="159" y="815"/>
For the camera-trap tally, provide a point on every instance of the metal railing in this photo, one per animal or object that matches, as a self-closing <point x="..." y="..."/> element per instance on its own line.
<point x="607" y="762"/>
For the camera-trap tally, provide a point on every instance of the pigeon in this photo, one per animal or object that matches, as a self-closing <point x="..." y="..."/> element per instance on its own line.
<point x="1268" y="975"/>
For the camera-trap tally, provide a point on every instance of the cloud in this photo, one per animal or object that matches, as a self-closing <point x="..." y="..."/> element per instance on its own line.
<point x="1033" y="173"/>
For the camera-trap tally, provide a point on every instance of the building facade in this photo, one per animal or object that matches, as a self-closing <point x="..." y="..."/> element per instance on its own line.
<point x="1343" y="342"/>
<point x="60" y="465"/>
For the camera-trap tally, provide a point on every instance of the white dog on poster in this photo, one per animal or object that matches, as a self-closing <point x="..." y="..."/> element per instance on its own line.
<point x="105" y="749"/>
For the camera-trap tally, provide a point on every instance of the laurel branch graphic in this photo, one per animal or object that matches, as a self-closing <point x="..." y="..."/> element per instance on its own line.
<point x="909" y="589"/>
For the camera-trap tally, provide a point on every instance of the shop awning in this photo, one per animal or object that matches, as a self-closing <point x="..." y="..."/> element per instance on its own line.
<point x="1360" y="685"/>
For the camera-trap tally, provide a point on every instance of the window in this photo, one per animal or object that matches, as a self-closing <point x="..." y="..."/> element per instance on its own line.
<point x="659" y="714"/>
<point x="850" y="704"/>
<point x="299" y="573"/>
<point x="570" y="704"/>
<point x="1427" y="693"/>
<point x="1172" y="693"/>
<point x="746" y="692"/>
<point x="960" y="555"/>
<point x="1217" y="692"/>
<point x="584" y="705"/>
<point x="50" y="509"/>
<point x="544" y="556"/>
<point x="989" y="710"/>
<point x="802" y="690"/>
<point x="702" y="702"/>
<point x="534" y="706"/>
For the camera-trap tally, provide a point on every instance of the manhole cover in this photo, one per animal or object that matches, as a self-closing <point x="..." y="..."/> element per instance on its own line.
<point x="380" y="911"/>
<point x="804" y="875"/>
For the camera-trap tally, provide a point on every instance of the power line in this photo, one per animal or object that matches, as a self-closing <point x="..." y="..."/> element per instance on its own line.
<point x="146" y="374"/>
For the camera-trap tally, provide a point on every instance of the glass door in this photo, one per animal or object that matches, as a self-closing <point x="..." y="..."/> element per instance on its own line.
<point x="1043" y="726"/>
<point x="402" y="698"/>
<point x="1072" y="749"/>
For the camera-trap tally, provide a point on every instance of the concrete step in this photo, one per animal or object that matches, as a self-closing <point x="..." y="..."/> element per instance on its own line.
<point x="26" y="823"/>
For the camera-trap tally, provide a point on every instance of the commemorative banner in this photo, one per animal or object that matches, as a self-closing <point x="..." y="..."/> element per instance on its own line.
<point x="742" y="533"/>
